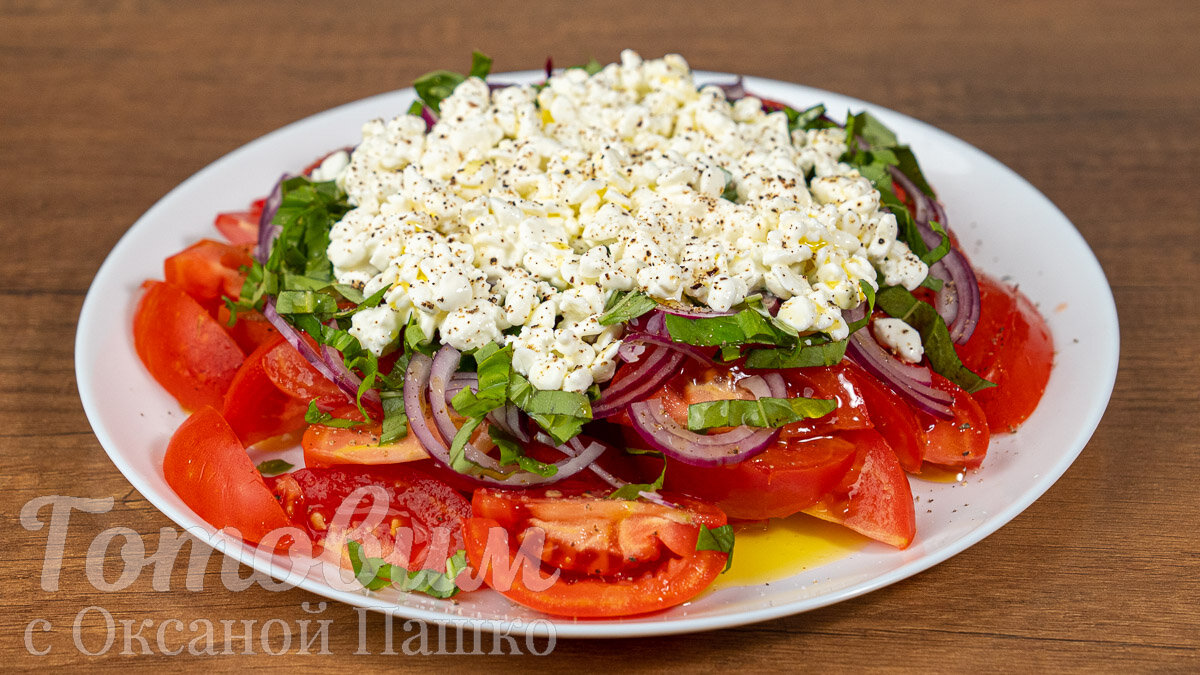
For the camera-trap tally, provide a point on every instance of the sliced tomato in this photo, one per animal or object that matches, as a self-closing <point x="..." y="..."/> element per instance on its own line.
<point x="183" y="347"/>
<point x="786" y="478"/>
<point x="419" y="525"/>
<point x="208" y="270"/>
<point x="296" y="377"/>
<point x="1012" y="348"/>
<point x="241" y="227"/>
<point x="250" y="331"/>
<point x="836" y="382"/>
<point x="892" y="417"/>
<point x="874" y="499"/>
<point x="255" y="406"/>
<point x="330" y="446"/>
<point x="612" y="557"/>
<point x="207" y="466"/>
<point x="958" y="442"/>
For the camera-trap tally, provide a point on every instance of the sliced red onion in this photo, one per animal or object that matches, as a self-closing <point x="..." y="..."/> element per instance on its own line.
<point x="664" y="434"/>
<point x="734" y="90"/>
<point x="866" y="352"/>
<point x="330" y="365"/>
<point x="429" y="116"/>
<point x="417" y="381"/>
<point x="693" y="312"/>
<point x="638" y="338"/>
<point x="266" y="231"/>
<point x="655" y="367"/>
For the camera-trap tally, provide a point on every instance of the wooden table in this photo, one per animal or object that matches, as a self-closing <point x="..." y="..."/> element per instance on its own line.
<point x="105" y="107"/>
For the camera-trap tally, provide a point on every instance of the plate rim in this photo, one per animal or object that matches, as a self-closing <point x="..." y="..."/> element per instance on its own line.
<point x="621" y="627"/>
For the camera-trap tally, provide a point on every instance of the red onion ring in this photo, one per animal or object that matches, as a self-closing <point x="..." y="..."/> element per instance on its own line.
<point x="417" y="380"/>
<point x="266" y="231"/>
<point x="866" y="352"/>
<point x="655" y="367"/>
<point x="330" y="366"/>
<point x="664" y="434"/>
<point x="687" y="350"/>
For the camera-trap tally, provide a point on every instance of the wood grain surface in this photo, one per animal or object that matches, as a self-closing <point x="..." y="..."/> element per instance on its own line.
<point x="105" y="106"/>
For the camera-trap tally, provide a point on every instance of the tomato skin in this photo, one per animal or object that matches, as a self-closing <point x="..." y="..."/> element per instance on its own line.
<point x="250" y="331"/>
<point x="416" y="502"/>
<point x="254" y="406"/>
<point x="784" y="479"/>
<point x="183" y="347"/>
<point x="676" y="575"/>
<point x="208" y="270"/>
<point x="874" y="499"/>
<point x="296" y="377"/>
<point x="326" y="446"/>
<point x="1012" y="348"/>
<point x="958" y="442"/>
<point x="893" y="418"/>
<point x="240" y="227"/>
<point x="839" y="382"/>
<point x="207" y="466"/>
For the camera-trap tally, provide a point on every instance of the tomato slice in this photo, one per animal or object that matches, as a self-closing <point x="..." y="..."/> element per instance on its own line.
<point x="892" y="417"/>
<point x="330" y="446"/>
<point x="208" y="270"/>
<point x="183" y="347"/>
<point x="874" y="498"/>
<point x="836" y="382"/>
<point x="789" y="476"/>
<point x="250" y="331"/>
<point x="419" y="525"/>
<point x="296" y="377"/>
<point x="1012" y="348"/>
<point x="958" y="442"/>
<point x="613" y="557"/>
<point x="207" y="466"/>
<point x="255" y="407"/>
<point x="240" y="227"/>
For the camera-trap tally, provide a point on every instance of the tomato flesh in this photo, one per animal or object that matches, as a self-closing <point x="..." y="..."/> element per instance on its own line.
<point x="613" y="557"/>
<point x="208" y="270"/>
<point x="254" y="406"/>
<point x="183" y="347"/>
<point x="330" y="446"/>
<point x="207" y="466"/>
<point x="419" y="526"/>
<point x="1012" y="348"/>
<point x="959" y="442"/>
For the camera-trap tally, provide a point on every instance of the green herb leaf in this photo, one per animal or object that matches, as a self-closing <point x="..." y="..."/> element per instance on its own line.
<point x="943" y="247"/>
<point x="274" y="467"/>
<point x="730" y="192"/>
<point x="717" y="539"/>
<point x="625" y="306"/>
<point x="591" y="67"/>
<point x="458" y="455"/>
<point x="868" y="291"/>
<point x="800" y="356"/>
<point x="494" y="369"/>
<point x="435" y="87"/>
<point x="939" y="348"/>
<point x="305" y="302"/>
<point x="511" y="453"/>
<point x="746" y="327"/>
<point x="634" y="490"/>
<point x="314" y="416"/>
<point x="395" y="420"/>
<point x="374" y="574"/>
<point x="765" y="412"/>
<point x="481" y="65"/>
<point x="870" y="129"/>
<point x="809" y="118"/>
<point x="561" y="414"/>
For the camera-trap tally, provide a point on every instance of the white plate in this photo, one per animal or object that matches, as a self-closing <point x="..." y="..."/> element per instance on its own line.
<point x="1008" y="228"/>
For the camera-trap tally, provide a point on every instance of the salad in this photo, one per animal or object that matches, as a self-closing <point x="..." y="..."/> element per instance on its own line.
<point x="559" y="339"/>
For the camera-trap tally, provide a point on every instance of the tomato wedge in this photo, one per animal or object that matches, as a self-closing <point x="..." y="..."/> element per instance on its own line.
<point x="893" y="418"/>
<point x="183" y="347"/>
<point x="1012" y="348"/>
<point x="874" y="498"/>
<point x="612" y="557"/>
<point x="240" y="227"/>
<point x="958" y="442"/>
<point x="255" y="407"/>
<point x="208" y="270"/>
<point x="419" y="525"/>
<point x="207" y="466"/>
<point x="330" y="446"/>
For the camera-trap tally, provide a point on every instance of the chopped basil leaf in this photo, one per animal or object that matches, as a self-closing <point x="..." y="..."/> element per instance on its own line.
<point x="870" y="129"/>
<point x="416" y="108"/>
<point x="932" y="283"/>
<point x="561" y="414"/>
<point x="809" y="118"/>
<point x="869" y="293"/>
<point x="511" y="453"/>
<point x="395" y="420"/>
<point x="768" y="412"/>
<point x="730" y="353"/>
<point x="305" y="302"/>
<point x="730" y="192"/>
<point x="746" y="327"/>
<point x="717" y="539"/>
<point x="274" y="467"/>
<point x="314" y="416"/>
<point x="906" y="161"/>
<point x="939" y="348"/>
<point x="481" y="65"/>
<point x="374" y="574"/>
<point x="591" y="67"/>
<point x="634" y="490"/>
<point x="458" y="455"/>
<point x="800" y="356"/>
<point x="494" y="369"/>
<point x="415" y="339"/>
<point x="943" y="247"/>
<point x="625" y="306"/>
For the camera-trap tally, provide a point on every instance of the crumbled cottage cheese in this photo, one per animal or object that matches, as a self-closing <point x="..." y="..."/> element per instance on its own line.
<point x="527" y="209"/>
